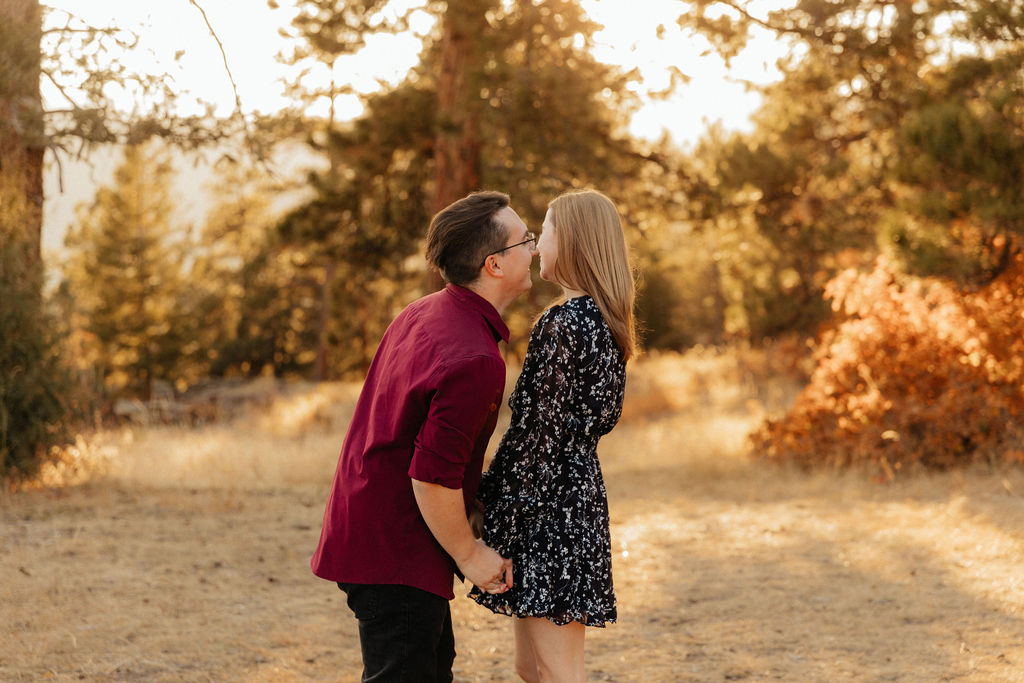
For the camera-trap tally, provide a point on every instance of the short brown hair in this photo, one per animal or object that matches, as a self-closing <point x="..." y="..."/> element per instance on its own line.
<point x="463" y="233"/>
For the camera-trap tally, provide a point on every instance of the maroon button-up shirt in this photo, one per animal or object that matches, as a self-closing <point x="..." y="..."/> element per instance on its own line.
<point x="427" y="409"/>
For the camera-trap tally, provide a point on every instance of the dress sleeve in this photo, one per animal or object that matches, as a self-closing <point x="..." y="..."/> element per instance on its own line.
<point x="462" y="402"/>
<point x="544" y="399"/>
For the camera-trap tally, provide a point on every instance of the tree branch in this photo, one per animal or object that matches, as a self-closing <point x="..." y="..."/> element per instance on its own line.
<point x="805" y="33"/>
<point x="60" y="88"/>
<point x="750" y="17"/>
<point x="67" y="29"/>
<point x="250" y="141"/>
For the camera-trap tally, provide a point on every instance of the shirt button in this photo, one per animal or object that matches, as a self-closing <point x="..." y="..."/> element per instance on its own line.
<point x="493" y="407"/>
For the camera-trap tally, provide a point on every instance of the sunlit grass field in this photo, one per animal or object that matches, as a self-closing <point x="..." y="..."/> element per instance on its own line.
<point x="161" y="552"/>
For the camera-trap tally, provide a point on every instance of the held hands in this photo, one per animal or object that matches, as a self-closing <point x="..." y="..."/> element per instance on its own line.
<point x="488" y="570"/>
<point x="444" y="511"/>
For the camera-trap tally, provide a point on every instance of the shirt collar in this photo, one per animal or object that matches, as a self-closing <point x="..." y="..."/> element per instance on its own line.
<point x="484" y="307"/>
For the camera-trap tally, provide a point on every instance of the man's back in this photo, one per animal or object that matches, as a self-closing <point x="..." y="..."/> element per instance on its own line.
<point x="427" y="410"/>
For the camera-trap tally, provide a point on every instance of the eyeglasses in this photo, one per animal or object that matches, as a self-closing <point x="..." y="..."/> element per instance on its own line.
<point x="530" y="237"/>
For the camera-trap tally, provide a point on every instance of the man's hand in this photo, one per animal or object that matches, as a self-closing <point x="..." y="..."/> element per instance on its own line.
<point x="444" y="511"/>
<point x="488" y="570"/>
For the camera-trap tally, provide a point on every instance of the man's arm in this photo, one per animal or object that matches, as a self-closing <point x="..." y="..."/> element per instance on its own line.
<point x="444" y="511"/>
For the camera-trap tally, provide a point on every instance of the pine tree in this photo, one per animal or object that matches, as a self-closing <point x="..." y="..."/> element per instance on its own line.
<point x="125" y="274"/>
<point x="506" y="96"/>
<point x="897" y="127"/>
<point x="76" y="58"/>
<point x="245" y="293"/>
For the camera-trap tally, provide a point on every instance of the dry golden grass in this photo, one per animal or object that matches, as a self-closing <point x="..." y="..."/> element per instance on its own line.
<point x="174" y="554"/>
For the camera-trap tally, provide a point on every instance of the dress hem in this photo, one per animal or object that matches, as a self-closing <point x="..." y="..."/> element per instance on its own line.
<point x="596" y="622"/>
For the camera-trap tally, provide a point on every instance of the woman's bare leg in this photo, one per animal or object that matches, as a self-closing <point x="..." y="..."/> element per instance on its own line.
<point x="557" y="651"/>
<point x="526" y="661"/>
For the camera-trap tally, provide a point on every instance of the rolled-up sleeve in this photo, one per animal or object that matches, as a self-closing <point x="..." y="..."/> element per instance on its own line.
<point x="464" y="399"/>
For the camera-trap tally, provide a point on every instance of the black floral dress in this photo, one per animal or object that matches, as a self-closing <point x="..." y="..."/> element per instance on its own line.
<point x="544" y="496"/>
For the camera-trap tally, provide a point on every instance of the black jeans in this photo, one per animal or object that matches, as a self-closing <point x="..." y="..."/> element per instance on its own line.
<point x="405" y="633"/>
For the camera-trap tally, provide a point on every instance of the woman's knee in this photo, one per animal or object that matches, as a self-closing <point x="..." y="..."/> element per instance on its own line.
<point x="558" y="652"/>
<point x="526" y="662"/>
<point x="527" y="671"/>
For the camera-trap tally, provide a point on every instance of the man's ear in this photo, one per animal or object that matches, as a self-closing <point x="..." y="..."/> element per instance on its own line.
<point x="492" y="267"/>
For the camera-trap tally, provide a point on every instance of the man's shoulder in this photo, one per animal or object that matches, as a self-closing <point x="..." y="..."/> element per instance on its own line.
<point x="452" y="322"/>
<point x="422" y="312"/>
<point x="425" y="302"/>
<point x="443" y="336"/>
<point x="438" y="304"/>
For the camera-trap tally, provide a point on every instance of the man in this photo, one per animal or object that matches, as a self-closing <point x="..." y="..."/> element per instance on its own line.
<point x="395" y="529"/>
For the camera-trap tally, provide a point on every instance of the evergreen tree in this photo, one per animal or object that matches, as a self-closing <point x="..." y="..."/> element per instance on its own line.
<point x="506" y="96"/>
<point x="125" y="275"/>
<point x="74" y="58"/>
<point x="245" y="292"/>
<point x="896" y="127"/>
<point x="354" y="238"/>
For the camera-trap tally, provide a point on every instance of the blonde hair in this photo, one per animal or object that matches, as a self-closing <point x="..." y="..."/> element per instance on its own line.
<point x="593" y="258"/>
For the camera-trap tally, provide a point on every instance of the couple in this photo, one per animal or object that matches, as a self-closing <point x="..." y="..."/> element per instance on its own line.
<point x="398" y="521"/>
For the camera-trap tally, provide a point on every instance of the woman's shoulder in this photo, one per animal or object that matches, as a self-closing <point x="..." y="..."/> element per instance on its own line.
<point x="573" y="321"/>
<point x="564" y="316"/>
<point x="576" y="307"/>
<point x="582" y="313"/>
<point x="583" y="305"/>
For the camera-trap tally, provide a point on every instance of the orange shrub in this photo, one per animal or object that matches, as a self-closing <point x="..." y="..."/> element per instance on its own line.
<point x="912" y="373"/>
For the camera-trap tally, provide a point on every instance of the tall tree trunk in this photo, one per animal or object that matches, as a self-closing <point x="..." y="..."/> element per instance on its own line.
<point x="326" y="298"/>
<point x="31" y="387"/>
<point x="21" y="125"/>
<point x="457" y="146"/>
<point x="719" y="304"/>
<point x="326" y="304"/>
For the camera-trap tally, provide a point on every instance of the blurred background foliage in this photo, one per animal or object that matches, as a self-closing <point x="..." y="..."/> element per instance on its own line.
<point x="896" y="131"/>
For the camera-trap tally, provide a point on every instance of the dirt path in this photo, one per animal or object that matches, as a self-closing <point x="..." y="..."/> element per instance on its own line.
<point x="781" y="577"/>
<point x="185" y="564"/>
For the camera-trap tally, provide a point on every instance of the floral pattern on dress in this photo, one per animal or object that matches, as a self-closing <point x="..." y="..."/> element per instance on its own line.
<point x="546" y="506"/>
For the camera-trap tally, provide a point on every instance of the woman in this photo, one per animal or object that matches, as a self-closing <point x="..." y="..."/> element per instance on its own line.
<point x="545" y="503"/>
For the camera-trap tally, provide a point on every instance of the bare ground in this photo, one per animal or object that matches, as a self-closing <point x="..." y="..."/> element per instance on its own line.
<point x="181" y="561"/>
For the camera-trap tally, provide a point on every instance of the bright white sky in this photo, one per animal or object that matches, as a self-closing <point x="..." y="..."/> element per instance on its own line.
<point x="251" y="39"/>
